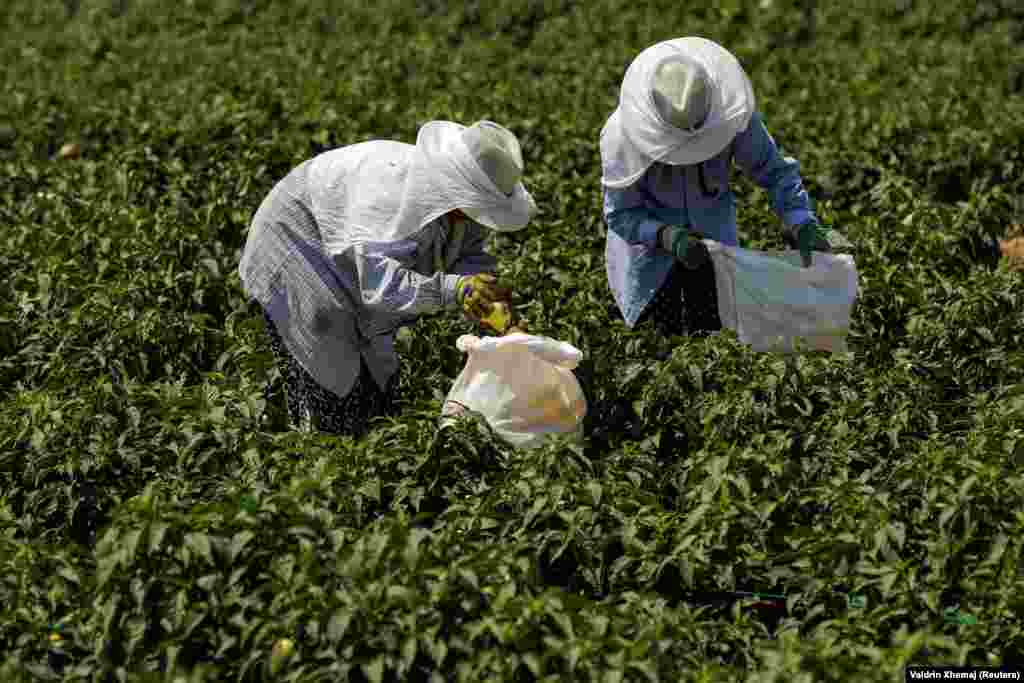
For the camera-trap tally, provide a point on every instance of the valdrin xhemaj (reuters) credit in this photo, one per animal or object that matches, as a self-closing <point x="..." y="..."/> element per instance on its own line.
<point x="962" y="673"/>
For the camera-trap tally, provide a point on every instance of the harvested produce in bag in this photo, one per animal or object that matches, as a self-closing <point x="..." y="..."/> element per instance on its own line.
<point x="522" y="384"/>
<point x="499" y="318"/>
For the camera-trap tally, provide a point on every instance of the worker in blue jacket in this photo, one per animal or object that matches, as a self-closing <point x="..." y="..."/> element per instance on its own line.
<point x="687" y="111"/>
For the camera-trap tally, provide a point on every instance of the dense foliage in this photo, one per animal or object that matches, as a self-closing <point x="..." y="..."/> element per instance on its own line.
<point x="157" y="522"/>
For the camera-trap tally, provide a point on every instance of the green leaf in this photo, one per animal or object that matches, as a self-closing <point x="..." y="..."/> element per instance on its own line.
<point x="130" y="546"/>
<point x="371" y="489"/>
<point x="694" y="518"/>
<point x="338" y="625"/>
<point x="238" y="543"/>
<point x="998" y="549"/>
<point x="374" y="670"/>
<point x="157" y="533"/>
<point x="409" y="652"/>
<point x="200" y="545"/>
<point x="612" y="676"/>
<point x="249" y="504"/>
<point x="217" y="414"/>
<point x="533" y="663"/>
<point x="470" y="577"/>
<point x="646" y="668"/>
<point x="947" y="514"/>
<point x="967" y="485"/>
<point x="44" y="283"/>
<point x="438" y="652"/>
<point x="897" y="532"/>
<point x="69" y="575"/>
<point x="539" y="504"/>
<point x="630" y="373"/>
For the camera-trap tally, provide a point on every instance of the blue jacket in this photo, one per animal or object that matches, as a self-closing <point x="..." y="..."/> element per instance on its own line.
<point x="698" y="196"/>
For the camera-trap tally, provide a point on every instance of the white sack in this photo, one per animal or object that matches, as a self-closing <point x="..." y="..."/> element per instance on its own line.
<point x="523" y="385"/>
<point x="772" y="301"/>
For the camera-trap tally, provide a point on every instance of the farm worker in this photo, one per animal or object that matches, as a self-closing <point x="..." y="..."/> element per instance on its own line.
<point x="361" y="240"/>
<point x="686" y="111"/>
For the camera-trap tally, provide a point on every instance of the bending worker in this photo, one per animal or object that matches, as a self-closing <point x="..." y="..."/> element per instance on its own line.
<point x="686" y="111"/>
<point x="361" y="240"/>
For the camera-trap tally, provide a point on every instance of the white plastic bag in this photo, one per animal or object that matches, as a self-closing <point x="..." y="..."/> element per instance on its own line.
<point x="775" y="304"/>
<point x="523" y="385"/>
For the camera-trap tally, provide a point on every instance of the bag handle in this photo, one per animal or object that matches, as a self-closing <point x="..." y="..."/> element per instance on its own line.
<point x="556" y="352"/>
<point x="467" y="343"/>
<point x="553" y="351"/>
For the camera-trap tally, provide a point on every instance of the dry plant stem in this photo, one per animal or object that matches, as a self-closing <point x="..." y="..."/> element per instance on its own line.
<point x="1013" y="251"/>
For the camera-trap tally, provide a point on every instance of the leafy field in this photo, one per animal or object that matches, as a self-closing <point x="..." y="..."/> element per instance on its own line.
<point x="158" y="523"/>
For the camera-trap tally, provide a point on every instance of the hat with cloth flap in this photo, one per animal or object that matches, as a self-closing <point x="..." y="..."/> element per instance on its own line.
<point x="490" y="161"/>
<point x="682" y="101"/>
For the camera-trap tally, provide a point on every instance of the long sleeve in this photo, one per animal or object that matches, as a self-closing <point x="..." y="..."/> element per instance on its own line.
<point x="474" y="258"/>
<point x="758" y="156"/>
<point x="629" y="219"/>
<point x="388" y="287"/>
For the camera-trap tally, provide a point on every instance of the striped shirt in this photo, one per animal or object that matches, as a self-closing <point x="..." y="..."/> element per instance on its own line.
<point x="332" y="310"/>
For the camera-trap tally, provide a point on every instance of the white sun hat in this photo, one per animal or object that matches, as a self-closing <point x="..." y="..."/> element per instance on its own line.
<point x="384" y="190"/>
<point x="496" y="151"/>
<point x="681" y="94"/>
<point x="488" y="158"/>
<point x="682" y="102"/>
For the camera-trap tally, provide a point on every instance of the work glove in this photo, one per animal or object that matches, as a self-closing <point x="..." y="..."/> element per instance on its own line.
<point x="687" y="248"/>
<point x="812" y="236"/>
<point x="477" y="296"/>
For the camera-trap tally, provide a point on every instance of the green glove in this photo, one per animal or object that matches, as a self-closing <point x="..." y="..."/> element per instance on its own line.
<point x="675" y="239"/>
<point x="812" y="236"/>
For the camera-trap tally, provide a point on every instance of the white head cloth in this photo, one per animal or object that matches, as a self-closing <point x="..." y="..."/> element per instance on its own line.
<point x="637" y="134"/>
<point x="385" y="191"/>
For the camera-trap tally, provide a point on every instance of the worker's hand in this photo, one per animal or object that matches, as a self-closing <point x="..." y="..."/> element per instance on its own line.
<point x="674" y="239"/>
<point x="807" y="237"/>
<point x="687" y="248"/>
<point x="812" y="236"/>
<point x="477" y="296"/>
<point x="482" y="289"/>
